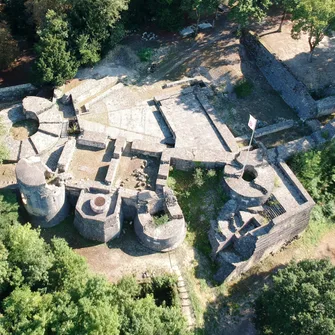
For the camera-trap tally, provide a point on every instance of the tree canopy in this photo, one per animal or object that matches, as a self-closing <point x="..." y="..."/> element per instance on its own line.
<point x="246" y="11"/>
<point x="301" y="300"/>
<point x="314" y="17"/>
<point x="48" y="289"/>
<point x="55" y="63"/>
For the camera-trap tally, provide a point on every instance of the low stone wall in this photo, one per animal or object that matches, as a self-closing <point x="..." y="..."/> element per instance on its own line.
<point x="273" y="128"/>
<point x="326" y="106"/>
<point x="66" y="156"/>
<point x="92" y="139"/>
<point x="189" y="159"/>
<point x="112" y="169"/>
<point x="293" y="92"/>
<point x="17" y="92"/>
<point x="119" y="146"/>
<point x="147" y="148"/>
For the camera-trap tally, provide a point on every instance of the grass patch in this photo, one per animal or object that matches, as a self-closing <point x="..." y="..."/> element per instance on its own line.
<point x="319" y="226"/>
<point x="243" y="88"/>
<point x="145" y="54"/>
<point x="201" y="196"/>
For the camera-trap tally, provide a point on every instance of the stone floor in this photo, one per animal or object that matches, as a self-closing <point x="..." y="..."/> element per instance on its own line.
<point x="190" y="123"/>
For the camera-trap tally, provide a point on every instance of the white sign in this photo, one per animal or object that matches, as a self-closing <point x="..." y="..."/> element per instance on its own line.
<point x="252" y="122"/>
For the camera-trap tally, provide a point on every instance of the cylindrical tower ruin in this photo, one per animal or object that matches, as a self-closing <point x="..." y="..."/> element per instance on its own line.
<point x="44" y="199"/>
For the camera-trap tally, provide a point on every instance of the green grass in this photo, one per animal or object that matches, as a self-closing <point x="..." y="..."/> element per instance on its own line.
<point x="319" y="226"/>
<point x="243" y="88"/>
<point x="200" y="196"/>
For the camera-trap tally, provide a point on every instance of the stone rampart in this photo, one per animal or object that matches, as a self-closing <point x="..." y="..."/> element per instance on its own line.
<point x="293" y="92"/>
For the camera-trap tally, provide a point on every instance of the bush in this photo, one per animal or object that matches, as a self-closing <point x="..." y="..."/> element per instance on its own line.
<point x="159" y="220"/>
<point x="198" y="176"/>
<point x="145" y="54"/>
<point x="300" y="301"/>
<point x="243" y="88"/>
<point x="316" y="170"/>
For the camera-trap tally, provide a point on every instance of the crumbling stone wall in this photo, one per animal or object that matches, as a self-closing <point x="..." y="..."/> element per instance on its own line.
<point x="293" y="92"/>
<point x="280" y="230"/>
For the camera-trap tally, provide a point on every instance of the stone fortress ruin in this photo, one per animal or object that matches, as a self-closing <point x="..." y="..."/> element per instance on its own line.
<point x="108" y="150"/>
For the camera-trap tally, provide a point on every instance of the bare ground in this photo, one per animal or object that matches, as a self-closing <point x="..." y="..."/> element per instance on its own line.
<point x="89" y="164"/>
<point x="129" y="164"/>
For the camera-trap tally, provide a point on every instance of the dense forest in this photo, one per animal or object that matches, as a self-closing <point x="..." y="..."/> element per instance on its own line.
<point x="67" y="34"/>
<point x="48" y="289"/>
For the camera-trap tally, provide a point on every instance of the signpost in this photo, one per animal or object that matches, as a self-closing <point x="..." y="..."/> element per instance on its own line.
<point x="252" y="125"/>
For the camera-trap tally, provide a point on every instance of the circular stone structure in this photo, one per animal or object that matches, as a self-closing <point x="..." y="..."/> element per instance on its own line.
<point x="166" y="236"/>
<point x="256" y="184"/>
<point x="44" y="201"/>
<point x="21" y="130"/>
<point x="49" y="125"/>
<point x="100" y="203"/>
<point x="159" y="238"/>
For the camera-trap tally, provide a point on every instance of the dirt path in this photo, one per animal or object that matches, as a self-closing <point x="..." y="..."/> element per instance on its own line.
<point x="326" y="247"/>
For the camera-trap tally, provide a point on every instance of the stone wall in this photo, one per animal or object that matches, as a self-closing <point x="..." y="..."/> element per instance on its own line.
<point x="326" y="106"/>
<point x="17" y="92"/>
<point x="164" y="238"/>
<point x="283" y="229"/>
<point x="293" y="92"/>
<point x="99" y="226"/>
<point x="66" y="155"/>
<point x="45" y="202"/>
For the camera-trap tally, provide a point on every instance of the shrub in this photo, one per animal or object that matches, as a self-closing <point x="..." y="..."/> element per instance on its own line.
<point x="198" y="176"/>
<point x="159" y="219"/>
<point x="243" y="88"/>
<point x="145" y="54"/>
<point x="316" y="170"/>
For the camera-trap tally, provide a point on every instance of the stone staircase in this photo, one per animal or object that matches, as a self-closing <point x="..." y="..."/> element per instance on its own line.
<point x="186" y="305"/>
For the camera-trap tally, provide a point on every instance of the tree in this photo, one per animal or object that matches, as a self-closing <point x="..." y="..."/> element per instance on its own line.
<point x="54" y="64"/>
<point x="314" y="17"/>
<point x="37" y="9"/>
<point x="199" y="7"/>
<point x="288" y="6"/>
<point x="301" y="300"/>
<point x="26" y="312"/>
<point x="244" y="11"/>
<point x="95" y="19"/>
<point x="8" y="47"/>
<point x="29" y="256"/>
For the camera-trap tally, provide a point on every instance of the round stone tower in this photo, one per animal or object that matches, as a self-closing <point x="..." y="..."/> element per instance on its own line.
<point x="42" y="197"/>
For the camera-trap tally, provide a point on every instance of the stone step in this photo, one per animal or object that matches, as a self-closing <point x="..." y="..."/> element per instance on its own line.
<point x="182" y="289"/>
